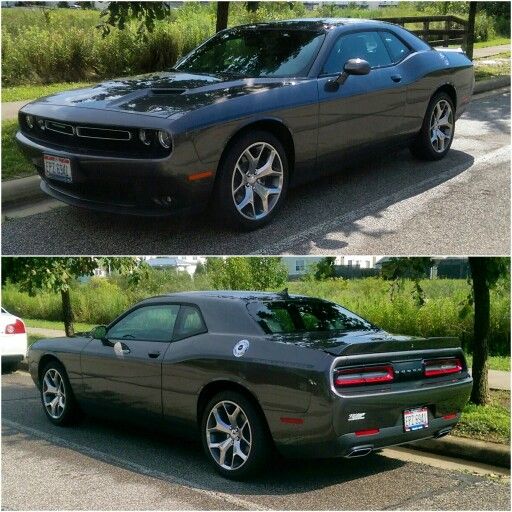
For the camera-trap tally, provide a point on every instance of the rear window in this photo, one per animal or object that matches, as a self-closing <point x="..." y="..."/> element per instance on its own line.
<point x="299" y="315"/>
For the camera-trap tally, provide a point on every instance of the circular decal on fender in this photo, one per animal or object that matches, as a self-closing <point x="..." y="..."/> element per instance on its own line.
<point x="241" y="348"/>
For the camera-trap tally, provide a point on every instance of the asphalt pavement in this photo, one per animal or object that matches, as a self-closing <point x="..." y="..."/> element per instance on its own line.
<point x="98" y="465"/>
<point x="392" y="204"/>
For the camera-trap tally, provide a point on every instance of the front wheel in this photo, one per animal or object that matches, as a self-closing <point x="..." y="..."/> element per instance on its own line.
<point x="252" y="180"/>
<point x="436" y="135"/>
<point x="56" y="394"/>
<point x="234" y="434"/>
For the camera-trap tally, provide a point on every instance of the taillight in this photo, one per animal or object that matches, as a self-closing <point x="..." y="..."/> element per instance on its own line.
<point x="364" y="375"/>
<point x="435" y="367"/>
<point x="17" y="327"/>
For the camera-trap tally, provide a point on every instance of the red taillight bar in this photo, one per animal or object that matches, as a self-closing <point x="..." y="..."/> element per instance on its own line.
<point x="365" y="375"/>
<point x="435" y="367"/>
<point x="369" y="432"/>
<point x="17" y="327"/>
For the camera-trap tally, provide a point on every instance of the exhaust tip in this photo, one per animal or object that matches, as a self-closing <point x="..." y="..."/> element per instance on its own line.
<point x="359" y="451"/>
<point x="443" y="432"/>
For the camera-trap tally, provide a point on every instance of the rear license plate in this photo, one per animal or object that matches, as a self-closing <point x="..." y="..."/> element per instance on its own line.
<point x="415" y="419"/>
<point x="57" y="168"/>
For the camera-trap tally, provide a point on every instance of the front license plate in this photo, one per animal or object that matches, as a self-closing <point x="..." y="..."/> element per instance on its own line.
<point x="415" y="419"/>
<point x="57" y="168"/>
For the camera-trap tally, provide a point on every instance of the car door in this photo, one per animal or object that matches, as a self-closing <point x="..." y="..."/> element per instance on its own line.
<point x="366" y="109"/>
<point x="124" y="370"/>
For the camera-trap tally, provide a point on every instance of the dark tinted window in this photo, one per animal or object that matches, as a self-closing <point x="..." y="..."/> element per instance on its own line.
<point x="254" y="53"/>
<point x="305" y="315"/>
<point x="190" y="323"/>
<point x="360" y="45"/>
<point x="396" y="48"/>
<point x="148" y="323"/>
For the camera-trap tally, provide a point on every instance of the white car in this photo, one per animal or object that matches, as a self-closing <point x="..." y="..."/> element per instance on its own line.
<point x="13" y="340"/>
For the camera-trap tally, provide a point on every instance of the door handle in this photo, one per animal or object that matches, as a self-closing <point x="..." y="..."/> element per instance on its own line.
<point x="396" y="78"/>
<point x="153" y="355"/>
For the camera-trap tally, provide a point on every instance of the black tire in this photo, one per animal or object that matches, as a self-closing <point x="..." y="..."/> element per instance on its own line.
<point x="70" y="412"/>
<point x="422" y="146"/>
<point x="223" y="203"/>
<point x="9" y="367"/>
<point x="261" y="444"/>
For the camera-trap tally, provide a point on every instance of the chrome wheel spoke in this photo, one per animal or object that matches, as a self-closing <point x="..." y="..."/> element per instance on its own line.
<point x="441" y="126"/>
<point x="54" y="393"/>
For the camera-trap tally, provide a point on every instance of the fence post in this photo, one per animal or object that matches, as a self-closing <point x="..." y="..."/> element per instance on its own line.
<point x="446" y="35"/>
<point x="426" y="28"/>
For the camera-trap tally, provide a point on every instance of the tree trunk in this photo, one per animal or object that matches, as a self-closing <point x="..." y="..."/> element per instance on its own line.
<point x="252" y="6"/>
<point x="222" y="15"/>
<point x="471" y="29"/>
<point x="480" y="391"/>
<point x="67" y="312"/>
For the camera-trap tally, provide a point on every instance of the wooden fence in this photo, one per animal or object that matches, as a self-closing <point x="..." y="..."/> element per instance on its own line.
<point x="453" y="30"/>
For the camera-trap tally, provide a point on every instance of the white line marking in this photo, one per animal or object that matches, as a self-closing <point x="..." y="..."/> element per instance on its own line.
<point x="496" y="156"/>
<point x="127" y="464"/>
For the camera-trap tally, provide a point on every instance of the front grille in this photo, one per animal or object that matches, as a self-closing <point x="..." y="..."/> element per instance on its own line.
<point x="93" y="139"/>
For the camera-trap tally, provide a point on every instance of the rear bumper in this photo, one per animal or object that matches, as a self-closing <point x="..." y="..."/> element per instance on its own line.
<point x="150" y="187"/>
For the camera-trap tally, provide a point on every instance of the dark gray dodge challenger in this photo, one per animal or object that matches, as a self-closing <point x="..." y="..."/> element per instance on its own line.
<point x="250" y="112"/>
<point x="250" y="371"/>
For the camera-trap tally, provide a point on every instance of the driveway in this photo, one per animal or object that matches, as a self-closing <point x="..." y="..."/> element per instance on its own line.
<point x="391" y="204"/>
<point x="99" y="465"/>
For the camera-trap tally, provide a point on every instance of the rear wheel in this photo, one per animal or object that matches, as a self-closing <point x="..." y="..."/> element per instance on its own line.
<point x="436" y="135"/>
<point x="234" y="434"/>
<point x="56" y="395"/>
<point x="252" y="181"/>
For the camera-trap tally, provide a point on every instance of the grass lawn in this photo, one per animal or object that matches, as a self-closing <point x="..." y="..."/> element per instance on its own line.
<point x="501" y="363"/>
<point x="485" y="69"/>
<point x="14" y="164"/>
<point x="30" y="92"/>
<point x="49" y="324"/>
<point x="492" y="42"/>
<point x="487" y="423"/>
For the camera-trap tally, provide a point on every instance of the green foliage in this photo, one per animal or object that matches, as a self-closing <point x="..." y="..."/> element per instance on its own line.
<point x="14" y="164"/>
<point x="325" y="269"/>
<point x="43" y="46"/>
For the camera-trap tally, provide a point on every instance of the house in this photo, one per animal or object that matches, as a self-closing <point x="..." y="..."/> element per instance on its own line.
<point x="299" y="265"/>
<point x="180" y="263"/>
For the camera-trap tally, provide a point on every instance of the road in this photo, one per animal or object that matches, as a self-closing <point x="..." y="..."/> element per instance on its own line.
<point x="102" y="466"/>
<point x="391" y="205"/>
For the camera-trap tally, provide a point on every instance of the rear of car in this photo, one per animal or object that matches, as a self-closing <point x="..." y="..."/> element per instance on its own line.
<point x="378" y="389"/>
<point x="13" y="339"/>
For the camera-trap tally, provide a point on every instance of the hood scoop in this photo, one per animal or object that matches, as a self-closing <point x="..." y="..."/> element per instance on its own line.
<point x="165" y="91"/>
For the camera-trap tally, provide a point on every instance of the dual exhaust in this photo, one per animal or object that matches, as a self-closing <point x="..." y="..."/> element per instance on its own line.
<point x="361" y="451"/>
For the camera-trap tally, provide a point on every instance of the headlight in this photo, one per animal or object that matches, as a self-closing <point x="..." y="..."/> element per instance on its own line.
<point x="30" y="121"/>
<point x="40" y="123"/>
<point x="165" y="139"/>
<point x="144" y="137"/>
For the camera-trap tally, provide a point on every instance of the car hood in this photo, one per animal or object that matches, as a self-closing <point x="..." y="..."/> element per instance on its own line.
<point x="363" y="342"/>
<point x="161" y="94"/>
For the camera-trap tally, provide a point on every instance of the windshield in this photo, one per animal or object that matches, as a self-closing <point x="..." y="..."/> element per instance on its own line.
<point x="305" y="315"/>
<point x="251" y="53"/>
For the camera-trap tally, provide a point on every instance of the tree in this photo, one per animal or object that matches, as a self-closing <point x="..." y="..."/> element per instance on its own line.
<point x="471" y="29"/>
<point x="325" y="269"/>
<point x="222" y="16"/>
<point x="58" y="274"/>
<point x="252" y="6"/>
<point x="485" y="273"/>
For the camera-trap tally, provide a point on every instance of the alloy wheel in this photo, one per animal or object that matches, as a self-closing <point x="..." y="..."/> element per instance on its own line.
<point x="228" y="435"/>
<point x="441" y="126"/>
<point x="257" y="181"/>
<point x="54" y="393"/>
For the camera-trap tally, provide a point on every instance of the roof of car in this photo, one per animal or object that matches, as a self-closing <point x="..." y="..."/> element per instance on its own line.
<point x="312" y="23"/>
<point x="244" y="295"/>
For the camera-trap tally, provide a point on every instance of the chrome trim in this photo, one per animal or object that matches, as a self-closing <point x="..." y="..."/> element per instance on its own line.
<point x="78" y="128"/>
<point x="48" y="122"/>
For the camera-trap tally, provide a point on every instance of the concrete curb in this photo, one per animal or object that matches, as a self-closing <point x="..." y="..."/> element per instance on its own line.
<point x="492" y="454"/>
<point x="26" y="189"/>
<point x="490" y="85"/>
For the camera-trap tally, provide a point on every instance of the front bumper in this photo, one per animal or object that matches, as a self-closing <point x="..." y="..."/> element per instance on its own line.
<point x="135" y="186"/>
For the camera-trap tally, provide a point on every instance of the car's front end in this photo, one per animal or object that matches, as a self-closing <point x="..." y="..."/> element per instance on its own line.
<point x="112" y="160"/>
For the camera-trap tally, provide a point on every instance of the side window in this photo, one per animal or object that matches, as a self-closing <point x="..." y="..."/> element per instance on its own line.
<point x="397" y="50"/>
<point x="190" y="323"/>
<point x="360" y="45"/>
<point x="148" y="323"/>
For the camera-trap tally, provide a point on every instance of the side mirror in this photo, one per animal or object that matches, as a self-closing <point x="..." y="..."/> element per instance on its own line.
<point x="351" y="67"/>
<point x="99" y="332"/>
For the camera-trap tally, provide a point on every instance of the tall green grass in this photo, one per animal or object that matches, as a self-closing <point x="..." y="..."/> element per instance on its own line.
<point x="43" y="46"/>
<point x="101" y="300"/>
